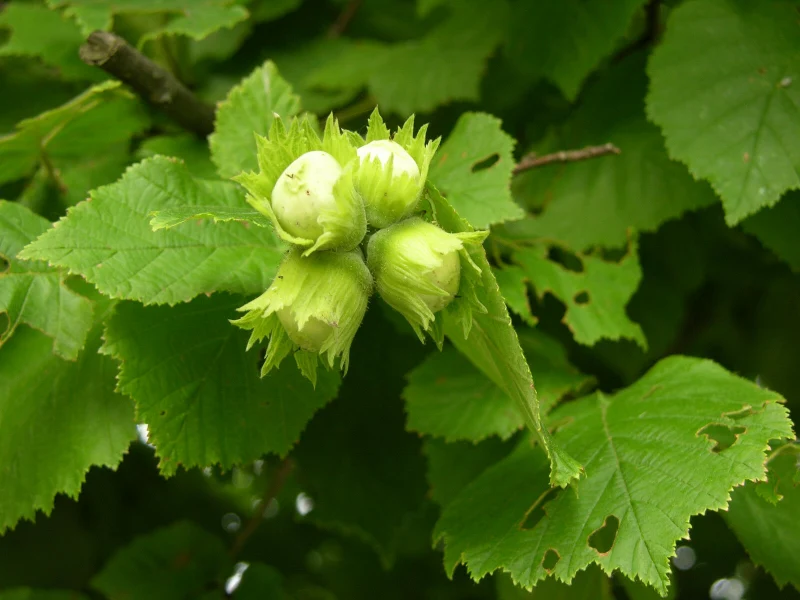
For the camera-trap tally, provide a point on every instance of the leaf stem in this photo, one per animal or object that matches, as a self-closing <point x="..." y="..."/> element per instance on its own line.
<point x="52" y="172"/>
<point x="273" y="489"/>
<point x="153" y="83"/>
<point x="532" y="161"/>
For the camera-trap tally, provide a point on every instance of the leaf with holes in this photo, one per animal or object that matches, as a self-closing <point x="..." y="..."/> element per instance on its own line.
<point x="109" y="241"/>
<point x="492" y="345"/>
<point x="249" y="109"/>
<point x="599" y="201"/>
<point x="473" y="170"/>
<point x="178" y="561"/>
<point x="595" y="297"/>
<point x="446" y="396"/>
<point x="36" y="295"/>
<point x="725" y="89"/>
<point x="637" y="447"/>
<point x="199" y="390"/>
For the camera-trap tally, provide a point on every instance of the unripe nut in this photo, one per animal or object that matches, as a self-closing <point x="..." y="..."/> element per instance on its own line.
<point x="303" y="191"/>
<point x="402" y="162"/>
<point x="446" y="277"/>
<point x="313" y="333"/>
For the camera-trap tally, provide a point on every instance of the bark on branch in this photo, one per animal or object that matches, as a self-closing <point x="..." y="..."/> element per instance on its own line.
<point x="154" y="84"/>
<point x="531" y="161"/>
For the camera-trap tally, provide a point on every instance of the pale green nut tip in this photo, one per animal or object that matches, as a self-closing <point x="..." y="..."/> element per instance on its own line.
<point x="389" y="182"/>
<point x="304" y="191"/>
<point x="306" y="186"/>
<point x="383" y="150"/>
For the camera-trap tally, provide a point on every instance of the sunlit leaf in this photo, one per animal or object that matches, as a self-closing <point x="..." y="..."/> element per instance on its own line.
<point x="109" y="240"/>
<point x="687" y="425"/>
<point x="724" y="89"/>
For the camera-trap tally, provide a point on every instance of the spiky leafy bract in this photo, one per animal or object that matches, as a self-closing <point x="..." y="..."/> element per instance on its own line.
<point x="411" y="262"/>
<point x="388" y="196"/>
<point x="344" y="223"/>
<point x="314" y="306"/>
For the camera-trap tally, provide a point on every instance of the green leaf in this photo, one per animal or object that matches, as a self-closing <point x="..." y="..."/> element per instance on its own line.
<point x="36" y="89"/>
<point x="72" y="406"/>
<point x="196" y="21"/>
<point x="363" y="472"/>
<point x="493" y="347"/>
<point x="598" y="201"/>
<point x="416" y="75"/>
<point x="662" y="434"/>
<point x="448" y="397"/>
<point x="724" y="89"/>
<point x="101" y="119"/>
<point x="777" y="228"/>
<point x="271" y="10"/>
<point x="769" y="531"/>
<point x="585" y="33"/>
<point x="186" y="146"/>
<point x="45" y="34"/>
<point x="473" y="170"/>
<point x="328" y="73"/>
<point x="591" y="584"/>
<point x="168" y="218"/>
<point x="199" y="390"/>
<point x="451" y="467"/>
<point x="595" y="297"/>
<point x="514" y="288"/>
<point x="108" y="239"/>
<point x="19" y="226"/>
<point x="34" y="594"/>
<point x="445" y="65"/>
<point x="73" y="179"/>
<point x="35" y="296"/>
<point x="177" y="561"/>
<point x="249" y="109"/>
<point x="44" y="302"/>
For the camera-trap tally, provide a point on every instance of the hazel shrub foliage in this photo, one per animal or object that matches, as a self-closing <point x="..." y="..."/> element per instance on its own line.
<point x="335" y="200"/>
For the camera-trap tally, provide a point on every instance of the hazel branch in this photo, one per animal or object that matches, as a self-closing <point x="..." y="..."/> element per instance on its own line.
<point x="344" y="18"/>
<point x="532" y="161"/>
<point x="273" y="489"/>
<point x="154" y="84"/>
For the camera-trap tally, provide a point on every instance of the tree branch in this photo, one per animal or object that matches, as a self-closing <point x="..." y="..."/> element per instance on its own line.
<point x="343" y="20"/>
<point x="273" y="489"/>
<point x="531" y="161"/>
<point x="652" y="29"/>
<point x="154" y="84"/>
